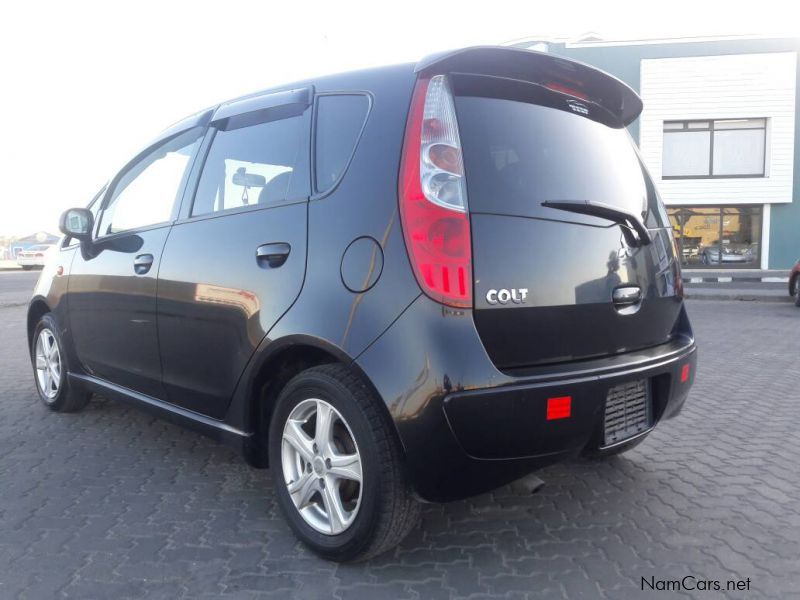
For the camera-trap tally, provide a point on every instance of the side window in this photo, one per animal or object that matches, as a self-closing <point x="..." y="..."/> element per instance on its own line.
<point x="146" y="192"/>
<point x="257" y="164"/>
<point x="340" y="119"/>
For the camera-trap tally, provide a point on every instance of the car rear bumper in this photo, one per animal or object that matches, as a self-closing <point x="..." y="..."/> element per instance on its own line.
<point x="24" y="261"/>
<point x="467" y="428"/>
<point x="737" y="258"/>
<point x="730" y="258"/>
<point x="523" y="426"/>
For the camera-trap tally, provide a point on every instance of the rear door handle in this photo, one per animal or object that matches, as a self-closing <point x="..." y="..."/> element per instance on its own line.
<point x="273" y="255"/>
<point x="142" y="263"/>
<point x="627" y="295"/>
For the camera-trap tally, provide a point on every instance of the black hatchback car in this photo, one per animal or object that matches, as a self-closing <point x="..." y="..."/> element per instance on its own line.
<point x="417" y="282"/>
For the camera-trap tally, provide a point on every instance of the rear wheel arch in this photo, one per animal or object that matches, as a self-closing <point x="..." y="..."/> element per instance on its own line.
<point x="277" y="367"/>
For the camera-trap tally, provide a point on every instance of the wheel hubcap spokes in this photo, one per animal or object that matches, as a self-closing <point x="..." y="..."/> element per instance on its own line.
<point x="48" y="363"/>
<point x="321" y="466"/>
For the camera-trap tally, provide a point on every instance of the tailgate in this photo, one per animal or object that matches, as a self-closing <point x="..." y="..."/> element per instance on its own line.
<point x="550" y="284"/>
<point x="569" y="272"/>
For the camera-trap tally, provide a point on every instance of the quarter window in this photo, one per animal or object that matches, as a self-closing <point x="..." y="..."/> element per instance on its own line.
<point x="721" y="148"/>
<point x="97" y="200"/>
<point x="147" y="190"/>
<point x="340" y="119"/>
<point x="256" y="165"/>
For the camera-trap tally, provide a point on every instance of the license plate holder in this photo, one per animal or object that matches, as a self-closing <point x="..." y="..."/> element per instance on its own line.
<point x="628" y="411"/>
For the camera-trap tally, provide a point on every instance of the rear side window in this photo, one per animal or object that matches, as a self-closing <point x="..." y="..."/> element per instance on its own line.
<point x="519" y="153"/>
<point x="256" y="165"/>
<point x="340" y="119"/>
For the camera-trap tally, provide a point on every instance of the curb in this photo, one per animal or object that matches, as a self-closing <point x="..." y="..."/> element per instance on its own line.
<point x="741" y="297"/>
<point x="735" y="275"/>
<point x="732" y="279"/>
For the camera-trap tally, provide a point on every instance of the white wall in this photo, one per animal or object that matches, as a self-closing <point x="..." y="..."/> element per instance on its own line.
<point x="718" y="87"/>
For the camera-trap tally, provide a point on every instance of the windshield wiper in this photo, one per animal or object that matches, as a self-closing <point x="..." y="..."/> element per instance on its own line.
<point x="629" y="221"/>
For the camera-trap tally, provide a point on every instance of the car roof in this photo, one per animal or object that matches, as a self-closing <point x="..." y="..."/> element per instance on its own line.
<point x="513" y="60"/>
<point x="344" y="81"/>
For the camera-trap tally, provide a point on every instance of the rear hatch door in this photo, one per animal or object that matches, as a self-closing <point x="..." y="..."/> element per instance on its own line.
<point x="552" y="284"/>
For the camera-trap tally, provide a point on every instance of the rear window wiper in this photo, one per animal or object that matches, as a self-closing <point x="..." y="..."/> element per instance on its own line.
<point x="629" y="221"/>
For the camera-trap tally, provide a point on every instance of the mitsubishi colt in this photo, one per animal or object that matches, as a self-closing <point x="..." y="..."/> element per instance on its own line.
<point x="405" y="284"/>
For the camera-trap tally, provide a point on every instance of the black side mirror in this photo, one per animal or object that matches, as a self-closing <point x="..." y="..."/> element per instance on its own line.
<point x="77" y="223"/>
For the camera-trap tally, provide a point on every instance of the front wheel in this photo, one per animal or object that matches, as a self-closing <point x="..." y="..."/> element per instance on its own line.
<point x="337" y="466"/>
<point x="50" y="369"/>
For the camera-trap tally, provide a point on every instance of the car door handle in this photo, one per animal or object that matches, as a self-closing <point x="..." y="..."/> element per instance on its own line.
<point x="627" y="295"/>
<point x="142" y="263"/>
<point x="273" y="255"/>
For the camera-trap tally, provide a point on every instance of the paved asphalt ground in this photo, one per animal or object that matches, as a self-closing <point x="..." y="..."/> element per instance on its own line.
<point x="111" y="503"/>
<point x="16" y="287"/>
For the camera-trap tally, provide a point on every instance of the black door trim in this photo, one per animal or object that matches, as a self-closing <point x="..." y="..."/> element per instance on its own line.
<point x="180" y="416"/>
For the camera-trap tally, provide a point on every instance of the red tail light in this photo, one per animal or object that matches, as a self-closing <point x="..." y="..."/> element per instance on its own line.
<point x="433" y="198"/>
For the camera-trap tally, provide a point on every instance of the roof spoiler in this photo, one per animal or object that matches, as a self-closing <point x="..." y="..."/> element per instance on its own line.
<point x="541" y="68"/>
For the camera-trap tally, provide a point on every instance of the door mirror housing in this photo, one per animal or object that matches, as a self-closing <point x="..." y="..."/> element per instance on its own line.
<point x="77" y="223"/>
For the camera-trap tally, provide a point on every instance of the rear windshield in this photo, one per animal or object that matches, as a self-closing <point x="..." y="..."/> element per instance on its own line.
<point x="524" y="145"/>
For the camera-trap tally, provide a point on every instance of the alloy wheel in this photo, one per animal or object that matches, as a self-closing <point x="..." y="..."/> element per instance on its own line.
<point x="48" y="364"/>
<point x="322" y="466"/>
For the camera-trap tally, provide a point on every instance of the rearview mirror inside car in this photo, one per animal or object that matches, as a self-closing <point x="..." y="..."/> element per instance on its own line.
<point x="242" y="177"/>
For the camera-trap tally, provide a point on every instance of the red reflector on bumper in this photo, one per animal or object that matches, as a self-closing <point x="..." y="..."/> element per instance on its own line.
<point x="559" y="408"/>
<point x="685" y="374"/>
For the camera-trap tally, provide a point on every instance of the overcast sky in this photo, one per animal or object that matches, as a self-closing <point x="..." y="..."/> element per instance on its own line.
<point x="86" y="85"/>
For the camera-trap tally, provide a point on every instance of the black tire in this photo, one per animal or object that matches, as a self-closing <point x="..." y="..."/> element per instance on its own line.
<point x="388" y="510"/>
<point x="797" y="290"/>
<point x="27" y="267"/>
<point x="68" y="398"/>
<point x="597" y="454"/>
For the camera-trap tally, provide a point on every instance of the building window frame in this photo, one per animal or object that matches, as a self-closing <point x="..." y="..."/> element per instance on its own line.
<point x="688" y="128"/>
